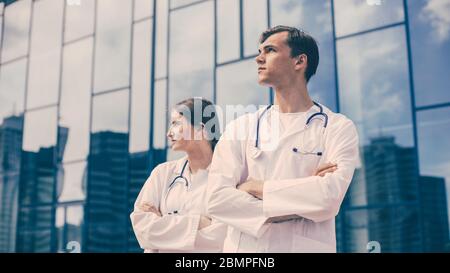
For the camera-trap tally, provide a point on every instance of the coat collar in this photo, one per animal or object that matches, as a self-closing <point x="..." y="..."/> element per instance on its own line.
<point x="300" y="123"/>
<point x="180" y="163"/>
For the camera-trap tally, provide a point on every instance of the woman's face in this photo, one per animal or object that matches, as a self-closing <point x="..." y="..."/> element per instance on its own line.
<point x="181" y="133"/>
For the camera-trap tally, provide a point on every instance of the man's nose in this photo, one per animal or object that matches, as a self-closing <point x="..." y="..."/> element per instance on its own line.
<point x="259" y="59"/>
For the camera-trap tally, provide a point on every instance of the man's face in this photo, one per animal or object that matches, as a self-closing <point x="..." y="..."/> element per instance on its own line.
<point x="276" y="67"/>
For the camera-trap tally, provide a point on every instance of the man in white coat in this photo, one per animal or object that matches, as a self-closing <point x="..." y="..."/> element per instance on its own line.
<point x="283" y="197"/>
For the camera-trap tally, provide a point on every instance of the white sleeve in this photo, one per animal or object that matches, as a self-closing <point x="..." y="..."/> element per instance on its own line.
<point x="226" y="203"/>
<point x="212" y="236"/>
<point x="169" y="232"/>
<point x="314" y="197"/>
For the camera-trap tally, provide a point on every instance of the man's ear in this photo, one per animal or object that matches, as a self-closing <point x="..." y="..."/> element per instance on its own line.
<point x="301" y="61"/>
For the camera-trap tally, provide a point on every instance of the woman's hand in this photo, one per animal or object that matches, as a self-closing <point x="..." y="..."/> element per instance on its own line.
<point x="148" y="207"/>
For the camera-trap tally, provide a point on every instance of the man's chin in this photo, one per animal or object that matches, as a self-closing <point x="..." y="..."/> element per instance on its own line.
<point x="263" y="82"/>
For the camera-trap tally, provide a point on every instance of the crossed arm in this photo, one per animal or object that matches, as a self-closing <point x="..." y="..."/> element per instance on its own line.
<point x="149" y="207"/>
<point x="250" y="205"/>
<point x="255" y="187"/>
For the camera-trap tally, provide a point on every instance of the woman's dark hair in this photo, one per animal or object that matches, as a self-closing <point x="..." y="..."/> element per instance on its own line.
<point x="200" y="111"/>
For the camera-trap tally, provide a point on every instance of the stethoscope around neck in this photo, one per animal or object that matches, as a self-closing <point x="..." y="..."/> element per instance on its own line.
<point x="178" y="179"/>
<point x="308" y="121"/>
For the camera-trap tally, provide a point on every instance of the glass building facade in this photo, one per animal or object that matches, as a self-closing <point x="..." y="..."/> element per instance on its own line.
<point x="86" y="87"/>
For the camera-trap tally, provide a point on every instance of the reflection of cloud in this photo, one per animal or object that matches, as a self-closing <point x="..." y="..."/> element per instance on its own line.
<point x="242" y="90"/>
<point x="197" y="84"/>
<point x="433" y="123"/>
<point x="74" y="177"/>
<point x="191" y="48"/>
<point x="16" y="20"/>
<point x="191" y="57"/>
<point x="374" y="90"/>
<point x="323" y="19"/>
<point x="12" y="88"/>
<point x="311" y="16"/>
<point x="227" y="30"/>
<point x="255" y="22"/>
<point x="59" y="222"/>
<point x="142" y="8"/>
<point x="373" y="51"/>
<point x="389" y="129"/>
<point x="438" y="169"/>
<point x="357" y="15"/>
<point x="232" y="90"/>
<point x="390" y="105"/>
<point x="140" y="96"/>
<point x="40" y="129"/>
<point x="437" y="13"/>
<point x="76" y="97"/>
<point x="75" y="215"/>
<point x="113" y="45"/>
<point x="45" y="53"/>
<point x="110" y="112"/>
<point x="79" y="20"/>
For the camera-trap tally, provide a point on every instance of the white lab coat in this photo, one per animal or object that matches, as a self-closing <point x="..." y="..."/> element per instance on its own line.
<point x="289" y="185"/>
<point x="175" y="233"/>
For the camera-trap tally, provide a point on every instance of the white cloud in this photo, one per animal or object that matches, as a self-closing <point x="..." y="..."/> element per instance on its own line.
<point x="437" y="14"/>
<point x="357" y="15"/>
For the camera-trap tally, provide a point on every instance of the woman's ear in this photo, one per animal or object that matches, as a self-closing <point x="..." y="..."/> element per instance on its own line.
<point x="204" y="132"/>
<point x="199" y="131"/>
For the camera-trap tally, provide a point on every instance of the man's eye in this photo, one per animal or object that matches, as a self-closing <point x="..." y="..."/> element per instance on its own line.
<point x="270" y="49"/>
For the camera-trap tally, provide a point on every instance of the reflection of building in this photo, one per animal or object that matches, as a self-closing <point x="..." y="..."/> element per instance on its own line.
<point x="140" y="166"/>
<point x="10" y="144"/>
<point x="35" y="232"/>
<point x="37" y="193"/>
<point x="433" y="205"/>
<point x="142" y="49"/>
<point x="397" y="209"/>
<point x="63" y="134"/>
<point x="111" y="192"/>
<point x="10" y="151"/>
<point x="72" y="233"/>
<point x="106" y="210"/>
<point x="391" y="182"/>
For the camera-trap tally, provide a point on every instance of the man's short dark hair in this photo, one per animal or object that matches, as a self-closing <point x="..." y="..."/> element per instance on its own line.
<point x="300" y="43"/>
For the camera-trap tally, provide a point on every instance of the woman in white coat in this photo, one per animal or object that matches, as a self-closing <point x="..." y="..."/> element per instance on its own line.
<point x="170" y="213"/>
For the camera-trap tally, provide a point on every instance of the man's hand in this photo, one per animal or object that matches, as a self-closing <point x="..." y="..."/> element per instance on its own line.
<point x="148" y="207"/>
<point x="252" y="187"/>
<point x="204" y="222"/>
<point x="326" y="168"/>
